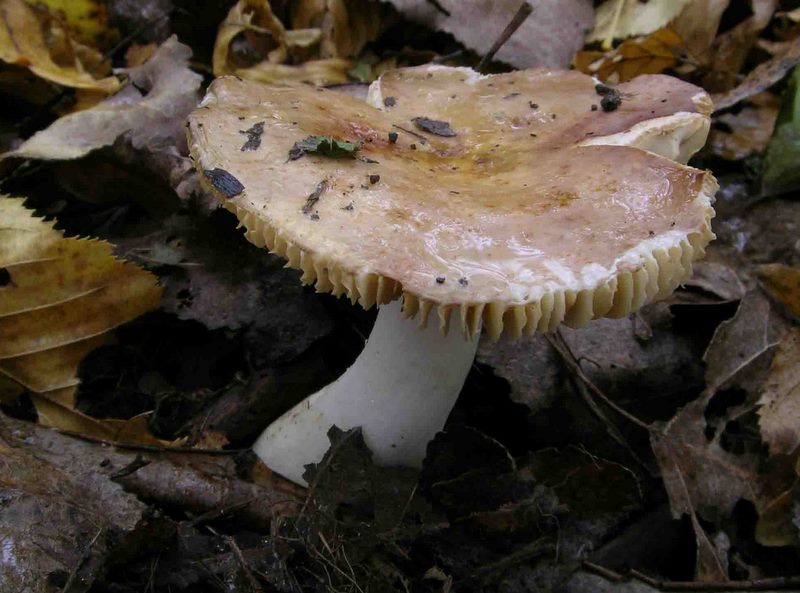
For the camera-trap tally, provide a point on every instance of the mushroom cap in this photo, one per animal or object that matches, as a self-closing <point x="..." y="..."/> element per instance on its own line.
<point x="507" y="199"/>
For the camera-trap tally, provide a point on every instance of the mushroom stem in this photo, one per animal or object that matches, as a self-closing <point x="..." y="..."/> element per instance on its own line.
<point x="400" y="391"/>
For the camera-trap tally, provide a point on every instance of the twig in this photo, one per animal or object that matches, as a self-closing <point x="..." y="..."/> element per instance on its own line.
<point x="768" y="584"/>
<point x="437" y="5"/>
<point x="252" y="581"/>
<point x="74" y="573"/>
<point x="134" y="466"/>
<point x="422" y="139"/>
<point x="523" y="13"/>
<point x="567" y="356"/>
<point x="153" y="448"/>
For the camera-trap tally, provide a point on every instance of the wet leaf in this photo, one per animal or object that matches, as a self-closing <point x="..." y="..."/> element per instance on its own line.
<point x="779" y="414"/>
<point x="63" y="298"/>
<point x="548" y="38"/>
<point x="645" y="55"/>
<point x="23" y="41"/>
<point x="784" y="283"/>
<point x="324" y="146"/>
<point x="152" y="119"/>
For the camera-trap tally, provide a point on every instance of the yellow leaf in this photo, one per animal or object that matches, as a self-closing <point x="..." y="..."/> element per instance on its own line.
<point x="784" y="283"/>
<point x="253" y="21"/>
<point x="645" y="55"/>
<point x="55" y="57"/>
<point x="253" y="17"/>
<point x="88" y="19"/>
<point x="60" y="299"/>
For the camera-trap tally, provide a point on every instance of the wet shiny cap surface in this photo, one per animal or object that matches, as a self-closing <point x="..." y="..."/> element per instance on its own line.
<point x="476" y="196"/>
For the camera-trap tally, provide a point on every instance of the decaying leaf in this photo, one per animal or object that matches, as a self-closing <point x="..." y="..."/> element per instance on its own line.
<point x="323" y="146"/>
<point x="152" y="119"/>
<point x="23" y="42"/>
<point x="619" y="19"/>
<point x="646" y="55"/>
<point x="548" y="38"/>
<point x="784" y="283"/>
<point x="739" y="342"/>
<point x="61" y="299"/>
<point x="780" y="401"/>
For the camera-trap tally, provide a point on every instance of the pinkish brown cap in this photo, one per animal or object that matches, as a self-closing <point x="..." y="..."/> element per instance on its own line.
<point x="518" y="200"/>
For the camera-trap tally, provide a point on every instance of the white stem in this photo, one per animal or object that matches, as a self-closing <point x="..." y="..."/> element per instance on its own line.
<point x="400" y="391"/>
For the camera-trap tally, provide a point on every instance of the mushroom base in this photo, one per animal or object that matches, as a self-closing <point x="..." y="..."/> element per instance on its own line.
<point x="400" y="391"/>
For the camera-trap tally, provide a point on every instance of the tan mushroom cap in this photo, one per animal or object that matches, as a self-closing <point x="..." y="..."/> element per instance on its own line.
<point x="523" y="219"/>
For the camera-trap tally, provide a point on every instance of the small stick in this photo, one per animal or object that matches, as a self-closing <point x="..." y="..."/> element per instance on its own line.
<point x="153" y="448"/>
<point x="74" y="574"/>
<point x="523" y="13"/>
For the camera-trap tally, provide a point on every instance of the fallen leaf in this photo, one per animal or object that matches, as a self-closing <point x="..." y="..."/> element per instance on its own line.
<point x="251" y="17"/>
<point x="87" y="19"/>
<point x="619" y="19"/>
<point x="61" y="299"/>
<point x="780" y="173"/>
<point x="779" y="414"/>
<point x="698" y="24"/>
<point x="23" y="42"/>
<point x="153" y="119"/>
<point x="739" y="342"/>
<point x="346" y="26"/>
<point x="717" y="279"/>
<point x="548" y="38"/>
<point x="323" y="146"/>
<point x="760" y="78"/>
<point x="646" y="55"/>
<point x="784" y="283"/>
<point x="725" y="58"/>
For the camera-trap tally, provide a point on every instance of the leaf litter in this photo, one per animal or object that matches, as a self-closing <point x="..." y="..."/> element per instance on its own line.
<point x="559" y="453"/>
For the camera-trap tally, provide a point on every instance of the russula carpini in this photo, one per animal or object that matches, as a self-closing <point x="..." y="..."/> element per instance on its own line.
<point x="513" y="203"/>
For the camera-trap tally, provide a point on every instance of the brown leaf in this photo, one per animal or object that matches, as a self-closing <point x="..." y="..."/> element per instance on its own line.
<point x="61" y="299"/>
<point x="761" y="77"/>
<point x="24" y="41"/>
<point x="784" y="284"/>
<point x="739" y="342"/>
<point x="748" y="131"/>
<point x="645" y="55"/>
<point x="548" y="38"/>
<point x="780" y="400"/>
<point x="346" y="25"/>
<point x="728" y="52"/>
<point x="154" y="120"/>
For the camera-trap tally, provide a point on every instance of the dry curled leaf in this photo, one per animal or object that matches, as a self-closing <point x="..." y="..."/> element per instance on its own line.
<point x="153" y="119"/>
<point x="61" y="298"/>
<point x="780" y="401"/>
<point x="252" y="43"/>
<point x="548" y="38"/>
<point x="619" y="19"/>
<point x="54" y="57"/>
<point x="784" y="283"/>
<point x="345" y="26"/>
<point x="645" y="55"/>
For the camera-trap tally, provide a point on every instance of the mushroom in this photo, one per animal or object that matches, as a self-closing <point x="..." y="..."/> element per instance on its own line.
<point x="513" y="202"/>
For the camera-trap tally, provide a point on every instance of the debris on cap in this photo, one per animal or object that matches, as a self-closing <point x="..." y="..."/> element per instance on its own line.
<point x="558" y="214"/>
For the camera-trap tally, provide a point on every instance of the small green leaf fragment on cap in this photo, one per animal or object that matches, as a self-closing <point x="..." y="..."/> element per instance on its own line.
<point x="224" y="182"/>
<point x="434" y="126"/>
<point x="323" y="146"/>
